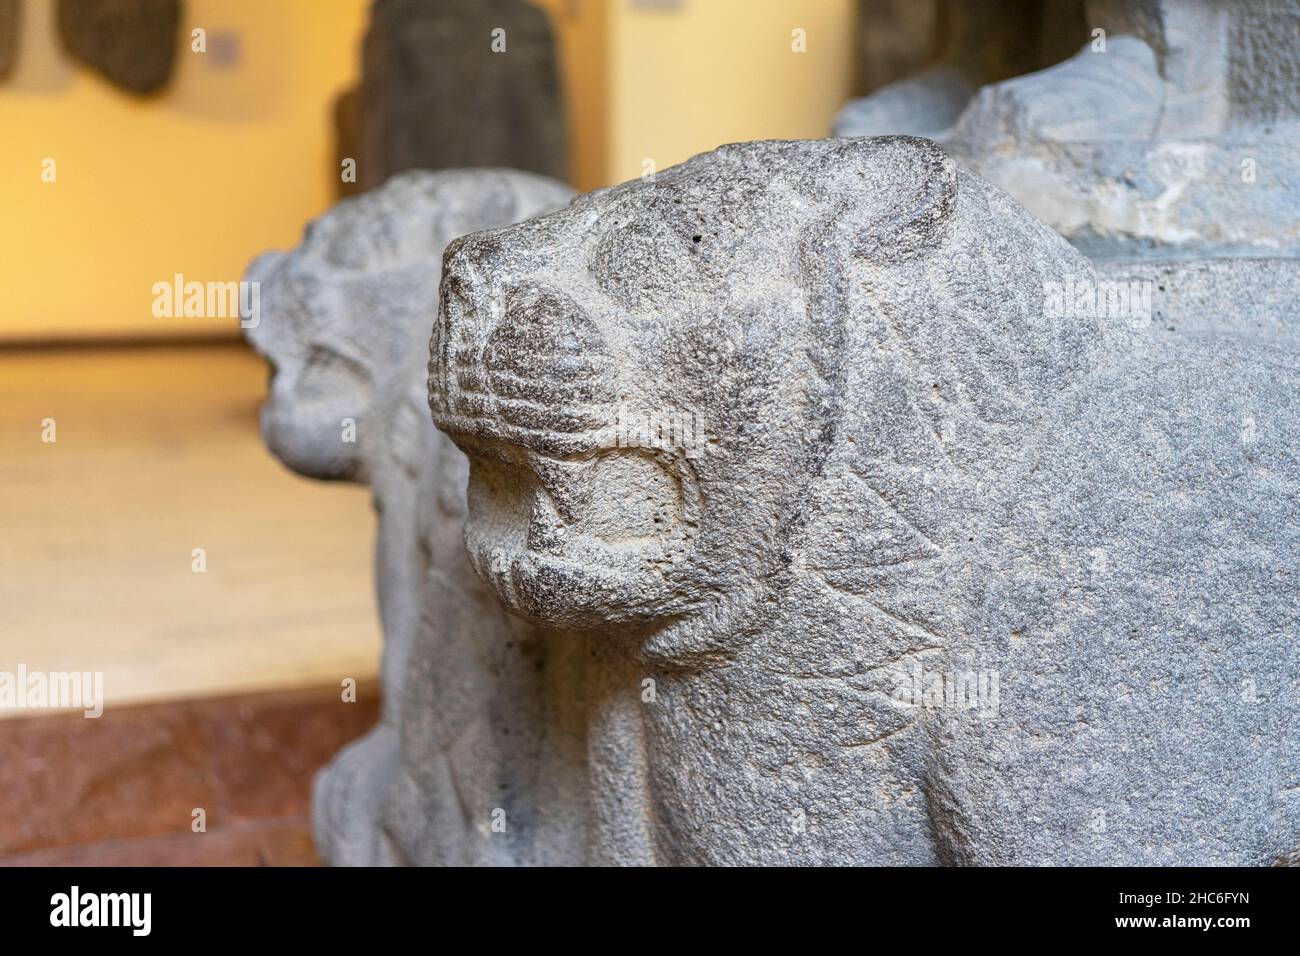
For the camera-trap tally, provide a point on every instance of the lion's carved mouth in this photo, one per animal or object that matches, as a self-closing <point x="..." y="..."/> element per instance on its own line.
<point x="566" y="522"/>
<point x="544" y="529"/>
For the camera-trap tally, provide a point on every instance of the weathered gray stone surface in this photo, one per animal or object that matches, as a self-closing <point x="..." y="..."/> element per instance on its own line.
<point x="435" y="94"/>
<point x="10" y="26"/>
<point x="131" y="42"/>
<point x="344" y="323"/>
<point x="915" y="463"/>
<point x="954" y="47"/>
<point x="1252" y="298"/>
<point x="1180" y="137"/>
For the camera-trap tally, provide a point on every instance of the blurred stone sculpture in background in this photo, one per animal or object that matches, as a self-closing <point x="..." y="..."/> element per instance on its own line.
<point x="344" y="323"/>
<point x="923" y="61"/>
<point x="959" y="567"/>
<point x="1174" y="131"/>
<point x="457" y="83"/>
<point x="131" y="42"/>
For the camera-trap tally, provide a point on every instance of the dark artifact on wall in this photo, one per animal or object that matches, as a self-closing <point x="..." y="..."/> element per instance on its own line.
<point x="131" y="42"/>
<point x="10" y="22"/>
<point x="457" y="83"/>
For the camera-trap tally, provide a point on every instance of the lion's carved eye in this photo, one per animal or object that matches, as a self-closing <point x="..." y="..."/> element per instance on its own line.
<point x="327" y="372"/>
<point x="642" y="264"/>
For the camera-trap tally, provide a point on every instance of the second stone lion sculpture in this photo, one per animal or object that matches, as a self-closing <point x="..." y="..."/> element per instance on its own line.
<point x="344" y="322"/>
<point x="952" y="566"/>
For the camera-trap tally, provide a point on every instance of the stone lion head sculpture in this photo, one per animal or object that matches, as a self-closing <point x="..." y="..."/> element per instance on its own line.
<point x="794" y="420"/>
<point x="651" y="382"/>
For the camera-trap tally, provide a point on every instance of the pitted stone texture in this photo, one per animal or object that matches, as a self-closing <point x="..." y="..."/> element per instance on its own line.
<point x="344" y="322"/>
<point x="912" y="469"/>
<point x="10" y="26"/>
<point x="1252" y="298"/>
<point x="435" y="94"/>
<point x="131" y="42"/>
<point x="1180" y="138"/>
<point x="956" y="46"/>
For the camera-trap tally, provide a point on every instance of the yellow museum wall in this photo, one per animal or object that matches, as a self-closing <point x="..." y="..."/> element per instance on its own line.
<point x="581" y="29"/>
<point x="690" y="75"/>
<point x="222" y="164"/>
<point x="228" y="161"/>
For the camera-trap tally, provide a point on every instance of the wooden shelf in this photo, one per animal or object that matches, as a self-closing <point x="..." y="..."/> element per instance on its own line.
<point x="158" y="453"/>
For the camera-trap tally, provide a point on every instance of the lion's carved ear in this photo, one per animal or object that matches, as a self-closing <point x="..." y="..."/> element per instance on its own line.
<point x="894" y="196"/>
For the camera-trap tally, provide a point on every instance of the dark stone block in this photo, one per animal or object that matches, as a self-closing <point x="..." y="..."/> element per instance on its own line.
<point x="10" y="24"/>
<point x="435" y="94"/>
<point x="131" y="42"/>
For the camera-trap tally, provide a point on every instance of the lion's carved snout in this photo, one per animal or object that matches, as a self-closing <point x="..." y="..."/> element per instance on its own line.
<point x="522" y="363"/>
